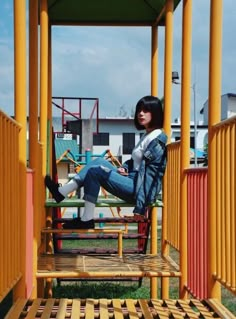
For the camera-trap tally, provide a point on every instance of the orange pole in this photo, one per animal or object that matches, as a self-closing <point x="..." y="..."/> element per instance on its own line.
<point x="43" y="79"/>
<point x="154" y="213"/>
<point x="20" y="116"/>
<point x="214" y="108"/>
<point x="185" y="138"/>
<point x="33" y="121"/>
<point x="49" y="111"/>
<point x="154" y="62"/>
<point x="167" y="124"/>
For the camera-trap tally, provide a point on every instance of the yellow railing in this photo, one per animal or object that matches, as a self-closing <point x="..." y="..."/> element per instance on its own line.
<point x="173" y="194"/>
<point x="225" y="205"/>
<point x="10" y="232"/>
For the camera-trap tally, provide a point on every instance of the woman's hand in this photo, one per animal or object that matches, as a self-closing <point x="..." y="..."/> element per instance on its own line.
<point x="122" y="171"/>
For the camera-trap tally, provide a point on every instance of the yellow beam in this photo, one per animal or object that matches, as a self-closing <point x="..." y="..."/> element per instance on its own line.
<point x="167" y="123"/>
<point x="154" y="62"/>
<point x="20" y="116"/>
<point x="43" y="79"/>
<point x="33" y="123"/>
<point x="185" y="137"/>
<point x="214" y="107"/>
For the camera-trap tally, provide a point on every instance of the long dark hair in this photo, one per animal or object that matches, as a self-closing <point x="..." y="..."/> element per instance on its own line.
<point x="153" y="105"/>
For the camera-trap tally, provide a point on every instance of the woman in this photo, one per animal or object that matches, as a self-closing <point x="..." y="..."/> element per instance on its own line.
<point x="139" y="179"/>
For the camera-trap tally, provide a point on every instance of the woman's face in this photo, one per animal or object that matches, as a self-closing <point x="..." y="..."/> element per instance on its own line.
<point x="144" y="118"/>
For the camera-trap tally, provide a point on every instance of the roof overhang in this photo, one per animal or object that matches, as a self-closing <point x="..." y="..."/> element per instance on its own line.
<point x="108" y="12"/>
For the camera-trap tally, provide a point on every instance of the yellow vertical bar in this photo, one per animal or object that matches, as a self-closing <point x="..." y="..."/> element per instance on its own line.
<point x="218" y="202"/>
<point x="1" y="205"/>
<point x="43" y="79"/>
<point x="120" y="244"/>
<point x="227" y="205"/>
<point x="185" y="137"/>
<point x="232" y="204"/>
<point x="214" y="107"/>
<point x="168" y="66"/>
<point x="167" y="123"/>
<point x="154" y="213"/>
<point x="20" y="116"/>
<point x="33" y="122"/>
<point x="49" y="150"/>
<point x="222" y="213"/>
<point x="154" y="62"/>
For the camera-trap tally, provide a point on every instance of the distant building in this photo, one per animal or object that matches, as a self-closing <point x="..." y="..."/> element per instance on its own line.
<point x="119" y="135"/>
<point x="228" y="107"/>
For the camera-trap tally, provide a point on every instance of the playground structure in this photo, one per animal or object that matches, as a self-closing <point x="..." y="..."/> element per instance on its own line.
<point x="198" y="216"/>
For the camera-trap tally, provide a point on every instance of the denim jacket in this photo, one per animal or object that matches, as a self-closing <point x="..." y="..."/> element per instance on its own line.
<point x="149" y="177"/>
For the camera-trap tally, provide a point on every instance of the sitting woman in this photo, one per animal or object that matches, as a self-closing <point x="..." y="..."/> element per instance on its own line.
<point x="139" y="179"/>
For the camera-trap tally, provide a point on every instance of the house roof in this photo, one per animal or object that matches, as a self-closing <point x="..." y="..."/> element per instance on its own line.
<point x="107" y="12"/>
<point x="62" y="146"/>
<point x="226" y="94"/>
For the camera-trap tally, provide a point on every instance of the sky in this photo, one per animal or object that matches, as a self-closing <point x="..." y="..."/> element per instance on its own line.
<point x="113" y="64"/>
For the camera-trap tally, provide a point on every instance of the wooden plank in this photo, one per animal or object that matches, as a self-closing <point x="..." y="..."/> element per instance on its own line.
<point x="103" y="308"/>
<point x="133" y="314"/>
<point x="47" y="310"/>
<point x="75" y="311"/>
<point x="117" y="308"/>
<point x="89" y="309"/>
<point x="175" y="312"/>
<point x="162" y="313"/>
<point x="33" y="310"/>
<point x="203" y="310"/>
<point x="187" y="309"/>
<point x="16" y="310"/>
<point x="62" y="309"/>
<point x="220" y="309"/>
<point x="145" y="309"/>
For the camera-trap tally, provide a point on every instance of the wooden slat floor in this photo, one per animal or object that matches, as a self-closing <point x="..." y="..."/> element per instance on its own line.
<point x="97" y="266"/>
<point x="117" y="309"/>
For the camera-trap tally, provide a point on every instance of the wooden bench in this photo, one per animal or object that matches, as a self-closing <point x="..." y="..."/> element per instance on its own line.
<point x="119" y="309"/>
<point x="102" y="202"/>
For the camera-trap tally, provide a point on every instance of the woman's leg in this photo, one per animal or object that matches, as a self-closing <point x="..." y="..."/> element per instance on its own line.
<point x="80" y="176"/>
<point x="60" y="192"/>
<point x="113" y="182"/>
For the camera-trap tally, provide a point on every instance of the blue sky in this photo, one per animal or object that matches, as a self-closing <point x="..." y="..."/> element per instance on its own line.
<point x="113" y="64"/>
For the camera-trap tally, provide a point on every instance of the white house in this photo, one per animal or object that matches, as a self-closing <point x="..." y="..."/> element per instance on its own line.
<point x="228" y="107"/>
<point x="119" y="135"/>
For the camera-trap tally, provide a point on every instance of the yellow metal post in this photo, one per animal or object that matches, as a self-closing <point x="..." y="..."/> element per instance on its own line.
<point x="154" y="62"/>
<point x="33" y="123"/>
<point x="20" y="116"/>
<point x="167" y="124"/>
<point x="154" y="90"/>
<point x="49" y="112"/>
<point x="214" y="107"/>
<point x="43" y="79"/>
<point x="185" y="137"/>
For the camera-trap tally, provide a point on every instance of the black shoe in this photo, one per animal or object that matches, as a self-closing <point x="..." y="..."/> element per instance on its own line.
<point x="53" y="188"/>
<point x="77" y="223"/>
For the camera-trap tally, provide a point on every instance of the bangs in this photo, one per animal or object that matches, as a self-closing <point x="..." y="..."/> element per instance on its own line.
<point x="143" y="107"/>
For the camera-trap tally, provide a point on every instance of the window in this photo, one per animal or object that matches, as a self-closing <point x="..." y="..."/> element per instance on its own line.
<point x="128" y="142"/>
<point x="192" y="143"/>
<point x="101" y="139"/>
